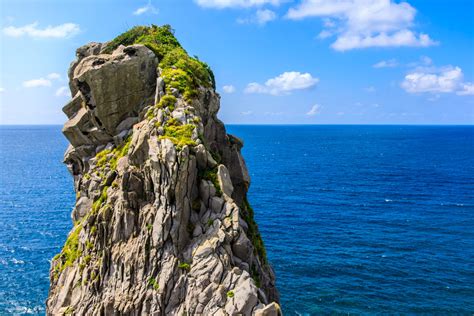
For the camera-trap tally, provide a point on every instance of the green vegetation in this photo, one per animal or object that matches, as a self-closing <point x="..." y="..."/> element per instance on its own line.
<point x="149" y="226"/>
<point x="160" y="39"/>
<point x="69" y="310"/>
<point x="111" y="157"/>
<point x="184" y="266"/>
<point x="180" y="135"/>
<point x="179" y="70"/>
<point x="230" y="294"/>
<point x="167" y="101"/>
<point x="70" y="251"/>
<point x="211" y="175"/>
<point x="253" y="233"/>
<point x="98" y="203"/>
<point x="210" y="222"/>
<point x="152" y="282"/>
<point x="256" y="277"/>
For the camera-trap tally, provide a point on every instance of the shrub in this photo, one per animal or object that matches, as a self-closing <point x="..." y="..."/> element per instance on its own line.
<point x="211" y="175"/>
<point x="180" y="135"/>
<point x="252" y="232"/>
<point x="184" y="266"/>
<point x="230" y="294"/>
<point x="70" y="251"/>
<point x="152" y="282"/>
<point x="167" y="101"/>
<point x="160" y="39"/>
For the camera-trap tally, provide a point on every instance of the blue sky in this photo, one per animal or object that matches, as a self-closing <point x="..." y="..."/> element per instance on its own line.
<point x="275" y="61"/>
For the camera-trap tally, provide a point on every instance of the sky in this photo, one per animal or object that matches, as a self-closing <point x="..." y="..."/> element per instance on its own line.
<point x="275" y="61"/>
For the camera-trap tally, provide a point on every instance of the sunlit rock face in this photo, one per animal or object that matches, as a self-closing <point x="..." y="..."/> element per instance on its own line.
<point x="162" y="225"/>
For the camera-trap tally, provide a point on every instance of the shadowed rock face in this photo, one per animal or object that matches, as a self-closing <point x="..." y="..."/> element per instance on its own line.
<point x="162" y="224"/>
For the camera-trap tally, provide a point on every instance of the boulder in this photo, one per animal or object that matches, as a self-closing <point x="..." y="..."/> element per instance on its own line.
<point x="116" y="86"/>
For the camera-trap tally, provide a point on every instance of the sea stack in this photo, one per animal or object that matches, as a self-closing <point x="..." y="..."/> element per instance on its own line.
<point x="162" y="225"/>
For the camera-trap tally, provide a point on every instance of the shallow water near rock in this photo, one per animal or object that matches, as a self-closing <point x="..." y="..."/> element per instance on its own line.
<point x="356" y="219"/>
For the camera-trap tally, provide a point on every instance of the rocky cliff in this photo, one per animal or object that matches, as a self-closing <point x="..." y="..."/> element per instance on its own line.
<point x="162" y="225"/>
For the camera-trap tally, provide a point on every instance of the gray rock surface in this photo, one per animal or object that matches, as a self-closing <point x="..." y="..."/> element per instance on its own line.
<point x="159" y="228"/>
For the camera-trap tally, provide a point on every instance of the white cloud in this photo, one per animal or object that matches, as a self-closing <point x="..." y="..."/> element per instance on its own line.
<point x="228" y="89"/>
<point x="60" y="31"/>
<point x="264" y="16"/>
<point x="467" y="89"/>
<point x="364" y="23"/>
<point x="149" y="8"/>
<point x="370" y="89"/>
<point x="42" y="82"/>
<point x="261" y="17"/>
<point x="34" y="83"/>
<point x="53" y="76"/>
<point x="447" y="79"/>
<point x="246" y="113"/>
<point x="391" y="63"/>
<point x="2" y="90"/>
<point x="221" y="4"/>
<point x="283" y="84"/>
<point x="325" y="34"/>
<point x="62" y="92"/>
<point x="397" y="39"/>
<point x="315" y="109"/>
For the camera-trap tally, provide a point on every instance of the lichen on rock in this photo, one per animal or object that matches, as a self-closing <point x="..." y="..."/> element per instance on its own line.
<point x="162" y="225"/>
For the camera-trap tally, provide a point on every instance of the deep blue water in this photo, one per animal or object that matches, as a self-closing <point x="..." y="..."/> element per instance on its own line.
<point x="356" y="219"/>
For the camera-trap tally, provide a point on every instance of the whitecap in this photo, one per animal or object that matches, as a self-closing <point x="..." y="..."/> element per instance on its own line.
<point x="388" y="200"/>
<point x="16" y="261"/>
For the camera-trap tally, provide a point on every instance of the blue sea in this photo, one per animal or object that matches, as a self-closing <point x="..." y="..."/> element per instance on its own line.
<point x="356" y="219"/>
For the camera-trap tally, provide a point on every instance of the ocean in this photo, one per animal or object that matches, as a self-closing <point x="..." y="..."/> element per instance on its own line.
<point x="356" y="219"/>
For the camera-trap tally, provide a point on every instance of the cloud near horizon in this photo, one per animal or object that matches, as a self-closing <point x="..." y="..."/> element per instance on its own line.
<point x="364" y="23"/>
<point x="315" y="109"/>
<point x="283" y="84"/>
<point x="65" y="30"/>
<point x="447" y="79"/>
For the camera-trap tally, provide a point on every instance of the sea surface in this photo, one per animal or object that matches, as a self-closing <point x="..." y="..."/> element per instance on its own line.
<point x="356" y="219"/>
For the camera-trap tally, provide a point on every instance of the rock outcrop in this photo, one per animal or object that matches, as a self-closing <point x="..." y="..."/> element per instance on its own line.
<point x="162" y="225"/>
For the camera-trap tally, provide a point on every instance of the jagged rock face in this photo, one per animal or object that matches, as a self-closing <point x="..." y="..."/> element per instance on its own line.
<point x="162" y="225"/>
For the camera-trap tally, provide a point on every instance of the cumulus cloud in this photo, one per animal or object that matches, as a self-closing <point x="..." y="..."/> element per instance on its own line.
<point x="261" y="17"/>
<point x="222" y="4"/>
<point x="62" y="92"/>
<point x="32" y="30"/>
<point x="264" y="16"/>
<point x="149" y="8"/>
<point x="447" y="79"/>
<point x="34" y="83"/>
<point x="364" y="23"/>
<point x="466" y="89"/>
<point x="283" y="84"/>
<point x="53" y="76"/>
<point x="315" y="109"/>
<point x="41" y="82"/>
<point x="391" y="63"/>
<point x="228" y="89"/>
